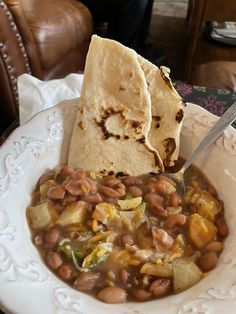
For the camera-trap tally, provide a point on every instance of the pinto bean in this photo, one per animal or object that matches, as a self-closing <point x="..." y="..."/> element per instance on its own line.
<point x="175" y="200"/>
<point x="112" y="295"/>
<point x="70" y="198"/>
<point x="111" y="181"/>
<point x="131" y="248"/>
<point x="111" y="193"/>
<point x="158" y="211"/>
<point x="79" y="174"/>
<point x="157" y="186"/>
<point x="223" y="230"/>
<point x="215" y="246"/>
<point x="59" y="207"/>
<point x="64" y="173"/>
<point x="111" y="275"/>
<point x="127" y="239"/>
<point x="121" y="186"/>
<point x="86" y="281"/>
<point x="168" y="179"/>
<point x="124" y="276"/>
<point x="154" y="198"/>
<point x="65" y="272"/>
<point x="144" y="229"/>
<point x="132" y="181"/>
<point x="52" y="236"/>
<point x="160" y="287"/>
<point x="54" y="260"/>
<point x="175" y="220"/>
<point x="207" y="261"/>
<point x="56" y="192"/>
<point x="135" y="191"/>
<point x="46" y="176"/>
<point x="93" y="198"/>
<point x="93" y="186"/>
<point x="141" y="294"/>
<point x="162" y="238"/>
<point x="78" y="187"/>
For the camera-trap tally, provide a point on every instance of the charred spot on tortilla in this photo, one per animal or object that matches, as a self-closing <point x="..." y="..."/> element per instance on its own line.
<point x="126" y="137"/>
<point x="106" y="133"/>
<point x="170" y="146"/>
<point x="179" y="115"/>
<point x="121" y="174"/>
<point x="141" y="140"/>
<point x="184" y="102"/>
<point x="158" y="119"/>
<point x="136" y="124"/>
<point x="111" y="173"/>
<point x="165" y="78"/>
<point x="102" y="123"/>
<point x="121" y="87"/>
<point x="80" y="125"/>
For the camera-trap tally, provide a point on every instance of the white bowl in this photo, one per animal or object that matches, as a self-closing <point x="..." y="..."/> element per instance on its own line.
<point x="27" y="286"/>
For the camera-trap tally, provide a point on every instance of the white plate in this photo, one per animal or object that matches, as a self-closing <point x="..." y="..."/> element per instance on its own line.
<point x="27" y="286"/>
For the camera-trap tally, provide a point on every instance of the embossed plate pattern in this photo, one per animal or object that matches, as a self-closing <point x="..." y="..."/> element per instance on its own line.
<point x="27" y="286"/>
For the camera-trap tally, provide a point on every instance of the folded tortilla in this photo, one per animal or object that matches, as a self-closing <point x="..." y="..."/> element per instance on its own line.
<point x="114" y="119"/>
<point x="167" y="112"/>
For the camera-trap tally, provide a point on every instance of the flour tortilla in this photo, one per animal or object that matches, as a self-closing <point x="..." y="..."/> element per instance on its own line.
<point x="112" y="125"/>
<point x="167" y="112"/>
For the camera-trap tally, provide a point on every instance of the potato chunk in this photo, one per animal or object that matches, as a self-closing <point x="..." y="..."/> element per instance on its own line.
<point x="130" y="203"/>
<point x="73" y="213"/>
<point x="161" y="269"/>
<point x="207" y="205"/>
<point x="186" y="274"/>
<point x="201" y="230"/>
<point x="41" y="216"/>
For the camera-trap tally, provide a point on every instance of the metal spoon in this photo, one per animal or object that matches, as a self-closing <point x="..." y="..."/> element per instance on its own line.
<point x="228" y="117"/>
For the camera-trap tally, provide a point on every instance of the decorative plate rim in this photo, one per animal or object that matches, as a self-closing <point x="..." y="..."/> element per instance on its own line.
<point x="41" y="139"/>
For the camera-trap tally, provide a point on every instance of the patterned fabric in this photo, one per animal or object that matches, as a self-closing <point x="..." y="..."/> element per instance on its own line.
<point x="216" y="101"/>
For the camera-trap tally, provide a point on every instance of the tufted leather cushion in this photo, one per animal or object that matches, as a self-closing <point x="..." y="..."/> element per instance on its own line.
<point x="47" y="39"/>
<point x="58" y="27"/>
<point x="217" y="74"/>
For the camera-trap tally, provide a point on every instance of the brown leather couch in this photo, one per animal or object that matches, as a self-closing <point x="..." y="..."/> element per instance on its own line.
<point x="47" y="39"/>
<point x="215" y="74"/>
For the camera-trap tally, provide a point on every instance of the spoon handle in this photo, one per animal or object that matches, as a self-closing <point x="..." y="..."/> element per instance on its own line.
<point x="228" y="117"/>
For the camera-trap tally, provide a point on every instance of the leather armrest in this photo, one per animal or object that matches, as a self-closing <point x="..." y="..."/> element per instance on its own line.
<point x="217" y="74"/>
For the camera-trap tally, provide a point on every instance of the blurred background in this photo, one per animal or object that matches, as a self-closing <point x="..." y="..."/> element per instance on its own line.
<point x="171" y="16"/>
<point x="50" y="40"/>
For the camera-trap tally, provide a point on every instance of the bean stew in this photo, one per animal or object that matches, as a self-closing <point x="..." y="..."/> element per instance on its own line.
<point x="126" y="238"/>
